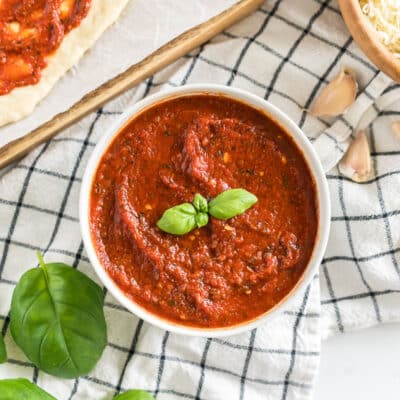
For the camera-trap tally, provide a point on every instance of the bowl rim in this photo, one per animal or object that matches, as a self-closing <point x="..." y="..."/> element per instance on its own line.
<point x="323" y="201"/>
<point x="365" y="35"/>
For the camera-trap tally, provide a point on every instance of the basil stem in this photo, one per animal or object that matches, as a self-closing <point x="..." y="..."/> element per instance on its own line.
<point x="231" y="203"/>
<point x="3" y="352"/>
<point x="178" y="220"/>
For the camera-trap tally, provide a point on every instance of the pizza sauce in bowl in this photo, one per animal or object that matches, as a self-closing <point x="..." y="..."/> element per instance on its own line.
<point x="230" y="272"/>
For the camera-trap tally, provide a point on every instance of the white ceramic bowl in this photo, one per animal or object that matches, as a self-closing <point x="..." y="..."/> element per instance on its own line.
<point x="308" y="151"/>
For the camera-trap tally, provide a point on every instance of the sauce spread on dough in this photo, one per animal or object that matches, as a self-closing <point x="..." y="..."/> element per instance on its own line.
<point x="31" y="30"/>
<point x="229" y="271"/>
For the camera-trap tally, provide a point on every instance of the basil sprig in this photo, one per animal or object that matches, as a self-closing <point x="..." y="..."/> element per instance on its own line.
<point x="185" y="217"/>
<point x="3" y="352"/>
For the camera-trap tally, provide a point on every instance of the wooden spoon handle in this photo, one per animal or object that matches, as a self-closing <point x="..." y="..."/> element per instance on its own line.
<point x="135" y="74"/>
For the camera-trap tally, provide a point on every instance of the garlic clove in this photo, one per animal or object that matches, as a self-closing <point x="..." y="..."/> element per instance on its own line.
<point x="336" y="97"/>
<point x="356" y="163"/>
<point x="396" y="128"/>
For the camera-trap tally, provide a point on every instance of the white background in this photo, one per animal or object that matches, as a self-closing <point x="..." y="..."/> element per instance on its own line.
<point x="361" y="365"/>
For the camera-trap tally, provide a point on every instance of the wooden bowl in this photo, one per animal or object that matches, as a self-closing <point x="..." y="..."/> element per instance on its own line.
<point x="366" y="37"/>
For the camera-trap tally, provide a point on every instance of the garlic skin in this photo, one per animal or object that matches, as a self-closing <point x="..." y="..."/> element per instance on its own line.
<point x="336" y="97"/>
<point x="396" y="128"/>
<point x="356" y="163"/>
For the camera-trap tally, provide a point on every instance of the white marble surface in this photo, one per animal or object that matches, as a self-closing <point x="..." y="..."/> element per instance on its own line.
<point x="361" y="365"/>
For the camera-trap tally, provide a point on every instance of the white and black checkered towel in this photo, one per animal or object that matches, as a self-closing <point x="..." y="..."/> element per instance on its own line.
<point x="285" y="52"/>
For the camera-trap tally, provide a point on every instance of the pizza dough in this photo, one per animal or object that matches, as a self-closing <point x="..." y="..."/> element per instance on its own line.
<point x="22" y="100"/>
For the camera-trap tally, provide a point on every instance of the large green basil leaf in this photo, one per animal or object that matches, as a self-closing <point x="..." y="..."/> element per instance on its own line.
<point x="178" y="220"/>
<point x="134" y="395"/>
<point x="57" y="319"/>
<point x="231" y="203"/>
<point x="22" y="389"/>
<point x="3" y="352"/>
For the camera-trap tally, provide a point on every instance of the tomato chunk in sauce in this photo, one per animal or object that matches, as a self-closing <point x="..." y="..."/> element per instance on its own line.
<point x="29" y="32"/>
<point x="227" y="272"/>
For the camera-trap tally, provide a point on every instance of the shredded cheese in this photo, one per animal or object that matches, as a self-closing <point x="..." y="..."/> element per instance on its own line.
<point x="385" y="17"/>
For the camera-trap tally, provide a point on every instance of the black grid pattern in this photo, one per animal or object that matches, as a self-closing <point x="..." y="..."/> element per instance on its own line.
<point x="286" y="53"/>
<point x="364" y="276"/>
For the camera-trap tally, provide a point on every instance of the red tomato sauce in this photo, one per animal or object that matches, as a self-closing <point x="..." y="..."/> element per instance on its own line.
<point x="229" y="271"/>
<point x="31" y="30"/>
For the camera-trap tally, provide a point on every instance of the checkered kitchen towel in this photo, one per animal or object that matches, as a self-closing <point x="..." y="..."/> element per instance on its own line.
<point x="285" y="52"/>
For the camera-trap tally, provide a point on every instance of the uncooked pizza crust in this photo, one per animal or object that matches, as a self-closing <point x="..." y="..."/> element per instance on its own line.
<point x="21" y="101"/>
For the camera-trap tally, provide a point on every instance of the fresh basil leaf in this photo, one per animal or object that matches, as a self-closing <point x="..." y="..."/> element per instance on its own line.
<point x="201" y="219"/>
<point x="134" y="395"/>
<point x="57" y="319"/>
<point x="200" y="203"/>
<point x="178" y="220"/>
<point x="231" y="203"/>
<point x="3" y="352"/>
<point x="22" y="389"/>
